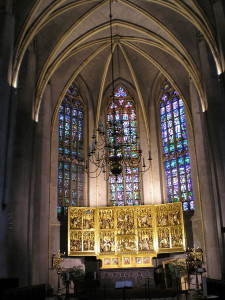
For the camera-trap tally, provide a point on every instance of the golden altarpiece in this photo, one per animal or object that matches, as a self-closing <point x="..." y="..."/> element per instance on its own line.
<point x="128" y="236"/>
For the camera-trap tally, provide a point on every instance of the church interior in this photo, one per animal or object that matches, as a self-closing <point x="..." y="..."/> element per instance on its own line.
<point x="112" y="141"/>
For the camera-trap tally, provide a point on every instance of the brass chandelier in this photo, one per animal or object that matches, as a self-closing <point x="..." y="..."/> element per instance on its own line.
<point x="112" y="150"/>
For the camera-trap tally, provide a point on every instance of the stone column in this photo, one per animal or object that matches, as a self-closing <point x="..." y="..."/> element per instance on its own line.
<point x="7" y="104"/>
<point x="211" y="163"/>
<point x="19" y="241"/>
<point x="41" y="203"/>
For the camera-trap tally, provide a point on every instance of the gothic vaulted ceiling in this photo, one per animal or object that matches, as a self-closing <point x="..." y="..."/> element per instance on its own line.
<point x="150" y="37"/>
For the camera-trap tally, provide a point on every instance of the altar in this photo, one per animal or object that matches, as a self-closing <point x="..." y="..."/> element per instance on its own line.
<point x="134" y="277"/>
<point x="126" y="237"/>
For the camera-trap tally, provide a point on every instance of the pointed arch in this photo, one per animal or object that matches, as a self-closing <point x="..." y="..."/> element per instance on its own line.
<point x="125" y="188"/>
<point x="175" y="148"/>
<point x="70" y="151"/>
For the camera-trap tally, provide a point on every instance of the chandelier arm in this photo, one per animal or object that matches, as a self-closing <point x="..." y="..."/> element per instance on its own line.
<point x="114" y="146"/>
<point x="94" y="176"/>
<point x="95" y="158"/>
<point x="145" y="170"/>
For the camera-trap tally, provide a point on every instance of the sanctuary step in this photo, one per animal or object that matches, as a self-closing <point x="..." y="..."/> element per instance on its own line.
<point x="124" y="294"/>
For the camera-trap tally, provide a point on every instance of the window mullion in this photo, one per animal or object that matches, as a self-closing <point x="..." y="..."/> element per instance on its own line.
<point x="176" y="153"/>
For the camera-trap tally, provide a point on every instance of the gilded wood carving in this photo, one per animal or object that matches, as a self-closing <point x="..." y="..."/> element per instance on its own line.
<point x="128" y="236"/>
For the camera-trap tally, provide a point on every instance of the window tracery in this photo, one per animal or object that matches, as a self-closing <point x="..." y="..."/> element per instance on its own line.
<point x="125" y="189"/>
<point x="70" y="151"/>
<point x="176" y="156"/>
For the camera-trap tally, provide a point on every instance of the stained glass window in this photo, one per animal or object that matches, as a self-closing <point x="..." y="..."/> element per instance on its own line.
<point x="70" y="152"/>
<point x="175" y="148"/>
<point x="125" y="189"/>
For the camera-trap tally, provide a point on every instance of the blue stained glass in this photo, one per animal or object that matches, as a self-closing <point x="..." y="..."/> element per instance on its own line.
<point x="72" y="91"/>
<point x="170" y="130"/>
<point x="162" y="110"/>
<point x="184" y="134"/>
<point x="181" y="110"/>
<point x="176" y="113"/>
<point x="66" y="151"/>
<point x="183" y="119"/>
<point x="175" y="106"/>
<point x="163" y="126"/>
<point x="120" y="196"/>
<point x="167" y="165"/>
<point x="60" y="150"/>
<point x="136" y="195"/>
<point x="177" y="128"/>
<point x="179" y="147"/>
<point x="185" y="206"/>
<point x="192" y="206"/>
<point x="187" y="159"/>
<point x="124" y="108"/>
<point x="165" y="142"/>
<point x="120" y="187"/>
<point x="164" y="134"/>
<point x="166" y="150"/>
<point x="172" y="148"/>
<point x="169" y="182"/>
<point x="176" y="122"/>
<point x="74" y="112"/>
<point x="136" y="186"/>
<point x="181" y="104"/>
<point x="169" y="116"/>
<point x="171" y="139"/>
<point x="133" y="124"/>
<point x="113" y="196"/>
<point x="120" y="92"/>
<point x="185" y="144"/>
<point x="80" y="114"/>
<point x="174" y="172"/>
<point x="136" y="178"/>
<point x="168" y="108"/>
<point x="164" y="97"/>
<point x="61" y="118"/>
<point x="70" y="109"/>
<point x="183" y="126"/>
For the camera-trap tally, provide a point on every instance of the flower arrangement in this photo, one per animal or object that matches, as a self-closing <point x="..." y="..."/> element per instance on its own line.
<point x="75" y="273"/>
<point x="177" y="268"/>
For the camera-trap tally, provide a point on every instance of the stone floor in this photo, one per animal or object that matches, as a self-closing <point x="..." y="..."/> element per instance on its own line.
<point x="181" y="297"/>
<point x="128" y="294"/>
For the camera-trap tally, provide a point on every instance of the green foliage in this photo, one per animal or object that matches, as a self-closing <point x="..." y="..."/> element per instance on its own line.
<point x="75" y="273"/>
<point x="177" y="268"/>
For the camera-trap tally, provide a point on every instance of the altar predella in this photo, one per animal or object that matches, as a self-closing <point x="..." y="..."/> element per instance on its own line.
<point x="128" y="236"/>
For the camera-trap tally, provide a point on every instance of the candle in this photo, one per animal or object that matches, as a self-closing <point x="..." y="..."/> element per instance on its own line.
<point x="94" y="275"/>
<point x="67" y="276"/>
<point x="204" y="287"/>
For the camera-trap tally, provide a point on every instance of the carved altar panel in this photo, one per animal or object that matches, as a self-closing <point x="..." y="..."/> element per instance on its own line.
<point x="125" y="222"/>
<point x="128" y="236"/>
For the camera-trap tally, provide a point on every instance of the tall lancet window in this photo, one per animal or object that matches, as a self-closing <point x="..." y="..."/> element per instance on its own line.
<point x="71" y="151"/>
<point x="175" y="147"/>
<point x="125" y="189"/>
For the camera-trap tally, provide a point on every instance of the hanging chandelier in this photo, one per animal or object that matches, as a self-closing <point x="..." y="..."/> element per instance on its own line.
<point x="114" y="147"/>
